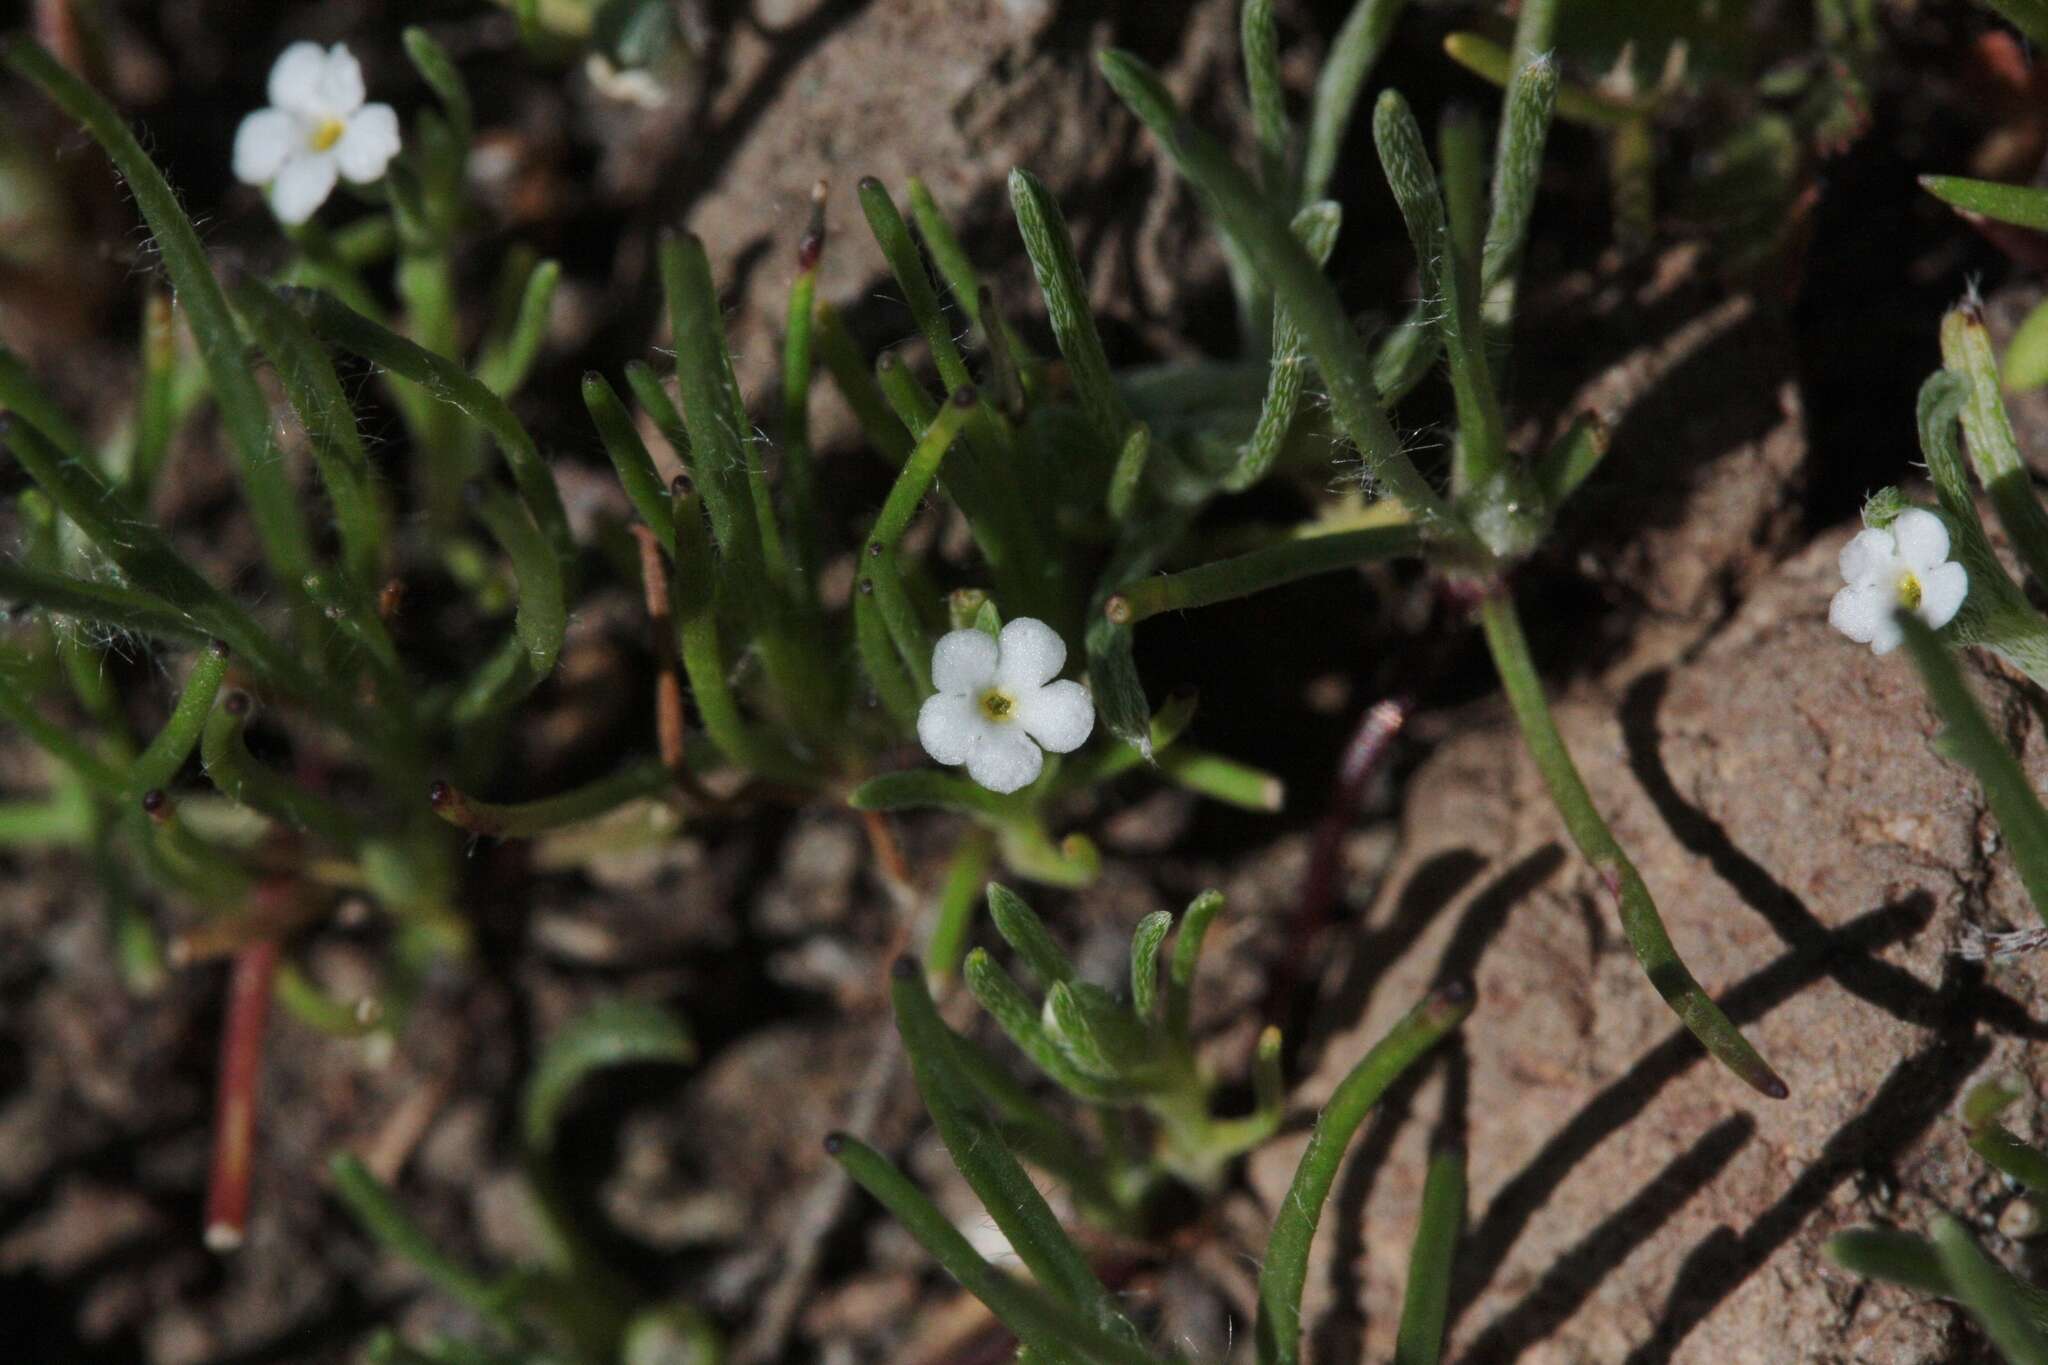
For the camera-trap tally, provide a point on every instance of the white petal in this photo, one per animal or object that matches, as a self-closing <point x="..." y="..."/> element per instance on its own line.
<point x="1006" y="760"/>
<point x="950" y="725"/>
<point x="1059" y="715"/>
<point x="1033" y="654"/>
<point x="963" y="661"/>
<point x="1887" y="636"/>
<point x="302" y="187"/>
<point x="367" y="144"/>
<point x="1922" y="538"/>
<point x="295" y="79"/>
<point x="341" y="82"/>
<point x="1942" y="590"/>
<point x="263" y="144"/>
<point x="1867" y="556"/>
<point x="1859" y="612"/>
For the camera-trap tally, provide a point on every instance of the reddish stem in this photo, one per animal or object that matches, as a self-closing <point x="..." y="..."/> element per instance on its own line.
<point x="234" y="1112"/>
<point x="1362" y="757"/>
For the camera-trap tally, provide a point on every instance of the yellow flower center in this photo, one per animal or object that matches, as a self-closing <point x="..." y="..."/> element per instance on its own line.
<point x="326" y="133"/>
<point x="997" y="705"/>
<point x="1909" y="591"/>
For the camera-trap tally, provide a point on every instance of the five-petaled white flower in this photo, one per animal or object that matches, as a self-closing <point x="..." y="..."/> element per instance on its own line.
<point x="317" y="129"/>
<point x="997" y="704"/>
<point x="1902" y="568"/>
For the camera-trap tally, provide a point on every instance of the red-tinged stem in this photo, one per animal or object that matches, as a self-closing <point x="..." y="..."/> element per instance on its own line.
<point x="1363" y="754"/>
<point x="234" y="1113"/>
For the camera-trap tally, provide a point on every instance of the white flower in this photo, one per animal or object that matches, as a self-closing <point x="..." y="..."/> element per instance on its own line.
<point x="1903" y="568"/>
<point x="317" y="129"/>
<point x="997" y="704"/>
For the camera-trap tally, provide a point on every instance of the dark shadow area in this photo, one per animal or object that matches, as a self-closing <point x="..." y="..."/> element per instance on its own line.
<point x="1574" y="1276"/>
<point x="1625" y="1098"/>
<point x="1916" y="1094"/>
<point x="1892" y="989"/>
<point x="1434" y="885"/>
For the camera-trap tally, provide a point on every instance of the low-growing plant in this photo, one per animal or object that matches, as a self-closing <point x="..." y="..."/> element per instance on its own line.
<point x="1951" y="1265"/>
<point x="1120" y="1056"/>
<point x="1930" y="579"/>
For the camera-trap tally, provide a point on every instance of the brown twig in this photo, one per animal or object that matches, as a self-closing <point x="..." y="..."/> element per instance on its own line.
<point x="668" y="686"/>
<point x="234" y="1112"/>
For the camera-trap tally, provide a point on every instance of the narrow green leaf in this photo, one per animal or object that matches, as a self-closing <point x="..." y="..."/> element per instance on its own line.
<point x="159" y="763"/>
<point x="102" y="604"/>
<point x="998" y="993"/>
<point x="1986" y="1290"/>
<point x="1286" y="562"/>
<point x="2026" y="355"/>
<point x="380" y="1214"/>
<point x="315" y="393"/>
<point x="438" y="70"/>
<point x="1051" y="1330"/>
<point x="629" y="457"/>
<point x="1222" y="779"/>
<point x="1145" y="942"/>
<point x="1326" y="329"/>
<point x="542" y="618"/>
<point x="2019" y="205"/>
<point x="1427" y="1298"/>
<point x="850" y="375"/>
<point x="1259" y="36"/>
<point x="1026" y="933"/>
<point x="1970" y="740"/>
<point x="263" y="474"/>
<point x="616" y="1032"/>
<point x="1317" y="227"/>
<point x="924" y="787"/>
<point x="1517" y="172"/>
<point x="1278" y="1333"/>
<point x="1187" y="955"/>
<point x="1051" y="249"/>
<point x="1005" y="1191"/>
<point x="1892" y="1256"/>
<point x="450" y="384"/>
<point x="1596" y="842"/>
<point x="506" y="364"/>
<point x="1994" y="450"/>
<point x="1571" y="459"/>
<point x="1353" y="53"/>
<point x="728" y="472"/>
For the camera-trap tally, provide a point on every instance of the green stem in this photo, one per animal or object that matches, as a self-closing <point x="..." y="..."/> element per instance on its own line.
<point x="966" y="881"/>
<point x="1639" y="917"/>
